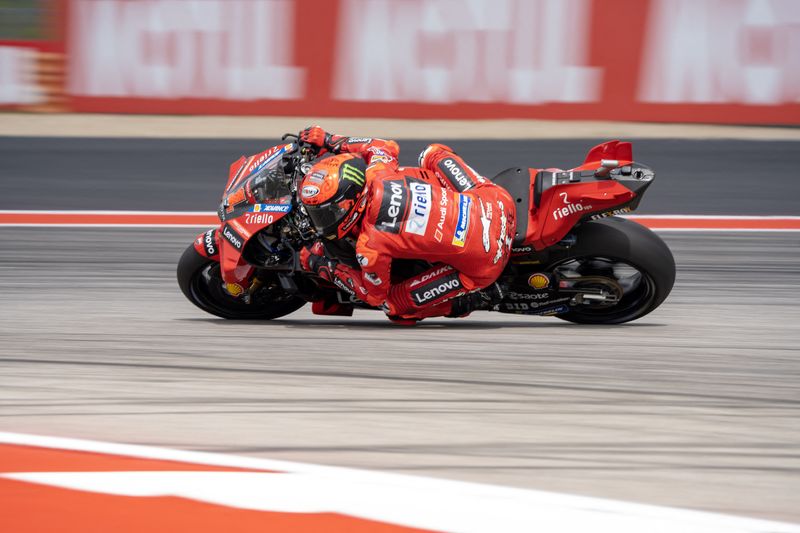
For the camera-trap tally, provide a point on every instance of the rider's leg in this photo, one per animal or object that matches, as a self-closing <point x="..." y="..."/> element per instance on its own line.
<point x="439" y="291"/>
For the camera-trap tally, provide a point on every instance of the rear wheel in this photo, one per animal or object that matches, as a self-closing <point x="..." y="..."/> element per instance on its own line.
<point x="621" y="259"/>
<point x="201" y="282"/>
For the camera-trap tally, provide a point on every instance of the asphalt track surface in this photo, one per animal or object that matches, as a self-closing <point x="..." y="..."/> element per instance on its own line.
<point x="694" y="406"/>
<point x="693" y="177"/>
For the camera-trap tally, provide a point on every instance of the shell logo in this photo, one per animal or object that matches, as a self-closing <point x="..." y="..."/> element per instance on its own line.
<point x="234" y="289"/>
<point x="539" y="281"/>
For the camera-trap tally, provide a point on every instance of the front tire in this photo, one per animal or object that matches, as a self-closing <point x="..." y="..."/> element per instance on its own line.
<point x="604" y="245"/>
<point x="201" y="282"/>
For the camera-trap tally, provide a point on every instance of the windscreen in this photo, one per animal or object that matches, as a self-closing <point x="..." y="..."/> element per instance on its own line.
<point x="267" y="184"/>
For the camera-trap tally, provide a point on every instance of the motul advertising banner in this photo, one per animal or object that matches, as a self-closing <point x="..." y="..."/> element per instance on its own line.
<point x="725" y="61"/>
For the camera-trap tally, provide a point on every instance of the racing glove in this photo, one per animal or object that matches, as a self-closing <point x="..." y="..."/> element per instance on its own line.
<point x="326" y="142"/>
<point x="316" y="136"/>
<point x="313" y="259"/>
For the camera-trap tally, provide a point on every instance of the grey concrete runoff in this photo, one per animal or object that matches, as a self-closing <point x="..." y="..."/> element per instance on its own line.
<point x="696" y="405"/>
<point x="229" y="127"/>
<point x="692" y="177"/>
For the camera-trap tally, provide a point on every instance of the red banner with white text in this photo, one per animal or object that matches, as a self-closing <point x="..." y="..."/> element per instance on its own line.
<point x="716" y="61"/>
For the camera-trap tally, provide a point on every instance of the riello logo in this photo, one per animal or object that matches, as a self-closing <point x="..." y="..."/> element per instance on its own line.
<point x="568" y="208"/>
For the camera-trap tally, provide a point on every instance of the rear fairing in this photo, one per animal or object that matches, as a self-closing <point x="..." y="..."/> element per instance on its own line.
<point x="558" y="199"/>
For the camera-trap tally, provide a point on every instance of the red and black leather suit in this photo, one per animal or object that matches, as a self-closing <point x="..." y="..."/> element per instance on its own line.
<point x="442" y="212"/>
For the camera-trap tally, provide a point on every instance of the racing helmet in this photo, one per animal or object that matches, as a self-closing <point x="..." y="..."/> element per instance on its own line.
<point x="331" y="192"/>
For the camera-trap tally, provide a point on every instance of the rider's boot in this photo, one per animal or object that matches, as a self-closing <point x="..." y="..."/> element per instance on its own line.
<point x="483" y="299"/>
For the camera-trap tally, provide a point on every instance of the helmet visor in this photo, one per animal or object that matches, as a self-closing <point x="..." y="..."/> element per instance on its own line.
<point x="326" y="217"/>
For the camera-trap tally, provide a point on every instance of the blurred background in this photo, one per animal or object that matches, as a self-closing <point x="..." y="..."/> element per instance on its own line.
<point x="712" y="61"/>
<point x="142" y="104"/>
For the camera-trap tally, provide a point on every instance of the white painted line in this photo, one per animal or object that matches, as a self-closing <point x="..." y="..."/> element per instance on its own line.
<point x="410" y="501"/>
<point x="61" y="225"/>
<point x="714" y="217"/>
<point x="205" y="219"/>
<point x="93" y="212"/>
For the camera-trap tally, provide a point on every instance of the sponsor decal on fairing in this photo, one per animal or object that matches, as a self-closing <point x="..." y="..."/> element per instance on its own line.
<point x="528" y="295"/>
<point x="536" y="306"/>
<point x="539" y="281"/>
<point x="234" y="289"/>
<point x="259" y="218"/>
<point x="209" y="243"/>
<point x="271" y="208"/>
<point x="613" y="212"/>
<point x="569" y="208"/>
<point x="267" y="158"/>
<point x="233" y="237"/>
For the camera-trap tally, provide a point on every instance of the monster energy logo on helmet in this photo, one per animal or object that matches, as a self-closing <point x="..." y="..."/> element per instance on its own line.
<point x="353" y="173"/>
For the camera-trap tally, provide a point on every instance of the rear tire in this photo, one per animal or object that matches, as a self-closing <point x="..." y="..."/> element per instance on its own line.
<point x="201" y="282"/>
<point x="628" y="243"/>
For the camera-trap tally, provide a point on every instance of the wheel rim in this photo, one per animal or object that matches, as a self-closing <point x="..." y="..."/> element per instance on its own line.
<point x="638" y="289"/>
<point x="207" y="290"/>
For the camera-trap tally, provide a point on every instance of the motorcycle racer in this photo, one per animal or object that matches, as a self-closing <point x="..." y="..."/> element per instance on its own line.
<point x="442" y="212"/>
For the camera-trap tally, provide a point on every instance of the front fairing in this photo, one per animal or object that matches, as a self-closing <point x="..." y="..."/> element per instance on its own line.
<point x="258" y="194"/>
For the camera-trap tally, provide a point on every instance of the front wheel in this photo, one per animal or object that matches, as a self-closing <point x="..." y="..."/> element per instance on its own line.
<point x="619" y="257"/>
<point x="201" y="282"/>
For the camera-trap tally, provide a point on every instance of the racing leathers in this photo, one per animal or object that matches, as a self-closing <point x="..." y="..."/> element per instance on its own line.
<point x="442" y="212"/>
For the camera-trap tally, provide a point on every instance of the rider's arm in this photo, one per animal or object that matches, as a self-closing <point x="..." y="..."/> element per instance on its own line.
<point x="374" y="151"/>
<point x="375" y="268"/>
<point x="369" y="284"/>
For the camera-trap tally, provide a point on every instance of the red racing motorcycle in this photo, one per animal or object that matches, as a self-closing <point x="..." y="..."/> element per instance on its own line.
<point x="572" y="258"/>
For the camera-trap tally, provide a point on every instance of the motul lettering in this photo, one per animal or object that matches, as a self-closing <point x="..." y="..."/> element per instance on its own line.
<point x="443" y="288"/>
<point x="173" y="49"/>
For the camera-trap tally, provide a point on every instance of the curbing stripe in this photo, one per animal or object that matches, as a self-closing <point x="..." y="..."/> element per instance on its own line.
<point x="410" y="501"/>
